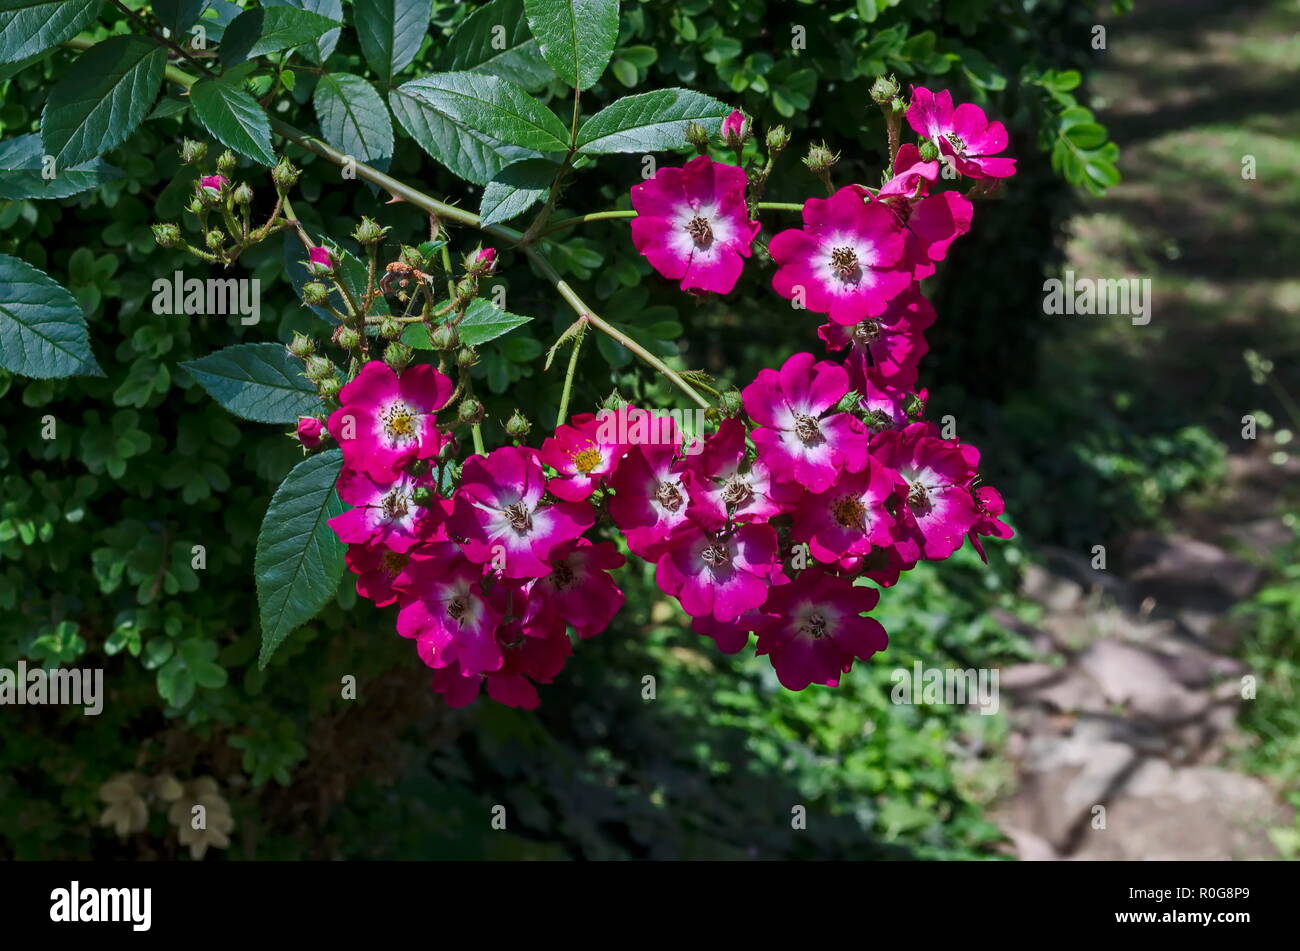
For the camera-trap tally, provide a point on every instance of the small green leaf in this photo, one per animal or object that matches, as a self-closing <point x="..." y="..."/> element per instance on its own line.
<point x="29" y="27"/>
<point x="483" y="321"/>
<point x="271" y="29"/>
<point x="42" y="329"/>
<point x="234" y="118"/>
<point x="390" y="32"/>
<point x="177" y="16"/>
<point x="492" y="107"/>
<point x="577" y="37"/>
<point x="515" y="189"/>
<point x="467" y="153"/>
<point x="299" y="560"/>
<point x="258" y="381"/>
<point x="353" y="118"/>
<point x="22" y="160"/>
<point x="649" y="121"/>
<point x="102" y="98"/>
<point x="479" y="46"/>
<point x="320" y="48"/>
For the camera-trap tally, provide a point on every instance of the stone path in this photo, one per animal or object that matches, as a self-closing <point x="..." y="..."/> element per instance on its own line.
<point x="1121" y="730"/>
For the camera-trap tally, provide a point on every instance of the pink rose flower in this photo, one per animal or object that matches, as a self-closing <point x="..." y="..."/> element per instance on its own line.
<point x="816" y="630"/>
<point x="384" y="421"/>
<point x="964" y="136"/>
<point x="693" y="225"/>
<point x="847" y="261"/>
<point x="799" y="437"/>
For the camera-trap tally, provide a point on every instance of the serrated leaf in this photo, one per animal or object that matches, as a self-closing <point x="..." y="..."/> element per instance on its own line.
<point x="29" y="27"/>
<point x="483" y="321"/>
<point x="478" y="45"/>
<point x="493" y="107"/>
<point x="320" y="48"/>
<point x="177" y="16"/>
<point x="353" y="118"/>
<point x="258" y="381"/>
<point x="234" y="118"/>
<point x="22" y="160"/>
<point x="42" y="329"/>
<point x="102" y="98"/>
<point x="467" y="153"/>
<point x="271" y="29"/>
<point x="649" y="121"/>
<point x="577" y="37"/>
<point x="299" y="560"/>
<point x="515" y="189"/>
<point x="390" y="32"/>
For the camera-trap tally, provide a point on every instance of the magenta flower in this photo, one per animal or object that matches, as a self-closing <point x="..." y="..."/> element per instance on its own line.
<point x="212" y="184"/>
<point x="816" y="630"/>
<point x="888" y="405"/>
<point x="847" y="260"/>
<point x="730" y="636"/>
<point x="383" y="421"/>
<point x="449" y="616"/>
<point x="310" y="431"/>
<point x="936" y="510"/>
<point x="486" y="259"/>
<point x="933" y="224"/>
<point x="719" y="575"/>
<point x="723" y="487"/>
<point x="889" y="351"/>
<point x="693" y="224"/>
<point x="456" y="689"/>
<point x="499" y="515"/>
<point x="319" y="260"/>
<point x="383" y="513"/>
<point x="650" y="499"/>
<point x="579" y="590"/>
<point x="583" y="454"/>
<point x="800" y="439"/>
<point x="381" y="573"/>
<point x="912" y="176"/>
<point x="964" y="136"/>
<point x="988" y="506"/>
<point x="850" y="517"/>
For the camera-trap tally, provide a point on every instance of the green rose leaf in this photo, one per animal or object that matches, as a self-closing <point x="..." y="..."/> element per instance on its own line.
<point x="22" y="160"/>
<point x="353" y="118"/>
<point x="258" y="381"/>
<point x="234" y="118"/>
<point x="390" y="32"/>
<point x="102" y="98"/>
<point x="271" y="29"/>
<point x="649" y="121"/>
<point x="478" y="45"/>
<point x="483" y="321"/>
<point x="515" y="189"/>
<point x="178" y="15"/>
<point x="299" y="559"/>
<point x="29" y="27"/>
<point x="474" y="155"/>
<point x="42" y="329"/>
<point x="320" y="48"/>
<point x="577" y="37"/>
<point x="493" y="107"/>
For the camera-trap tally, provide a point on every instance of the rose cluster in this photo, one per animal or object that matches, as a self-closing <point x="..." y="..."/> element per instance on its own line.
<point x="820" y="474"/>
<point x="487" y="578"/>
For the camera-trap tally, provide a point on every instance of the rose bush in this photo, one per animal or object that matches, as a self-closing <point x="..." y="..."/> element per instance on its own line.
<point x="149" y="469"/>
